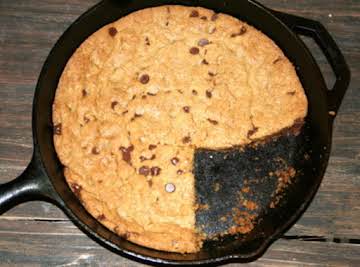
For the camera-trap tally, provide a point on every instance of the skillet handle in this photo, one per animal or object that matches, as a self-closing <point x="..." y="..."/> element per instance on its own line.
<point x="317" y="31"/>
<point x="32" y="184"/>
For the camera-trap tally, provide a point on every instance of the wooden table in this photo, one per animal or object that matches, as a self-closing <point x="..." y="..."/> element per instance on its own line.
<point x="38" y="233"/>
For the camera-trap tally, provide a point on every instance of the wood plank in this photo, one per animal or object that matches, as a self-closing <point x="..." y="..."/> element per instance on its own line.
<point x="69" y="247"/>
<point x="27" y="33"/>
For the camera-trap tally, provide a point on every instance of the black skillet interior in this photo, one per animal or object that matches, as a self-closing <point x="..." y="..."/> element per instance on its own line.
<point x="315" y="139"/>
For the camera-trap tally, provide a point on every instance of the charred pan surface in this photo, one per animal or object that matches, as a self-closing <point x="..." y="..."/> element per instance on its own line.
<point x="239" y="186"/>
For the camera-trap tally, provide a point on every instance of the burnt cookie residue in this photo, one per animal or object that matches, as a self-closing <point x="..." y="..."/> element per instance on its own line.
<point x="239" y="184"/>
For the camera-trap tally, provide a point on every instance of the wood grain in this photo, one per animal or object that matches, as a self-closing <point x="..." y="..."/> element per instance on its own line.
<point x="28" y="30"/>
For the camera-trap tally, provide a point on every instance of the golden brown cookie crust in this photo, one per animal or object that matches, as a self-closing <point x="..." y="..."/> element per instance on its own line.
<point x="140" y="94"/>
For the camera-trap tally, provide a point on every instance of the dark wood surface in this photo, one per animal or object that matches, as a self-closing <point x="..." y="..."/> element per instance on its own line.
<point x="38" y="233"/>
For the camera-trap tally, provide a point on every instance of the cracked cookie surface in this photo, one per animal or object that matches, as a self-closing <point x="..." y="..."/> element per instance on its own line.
<point x="141" y="94"/>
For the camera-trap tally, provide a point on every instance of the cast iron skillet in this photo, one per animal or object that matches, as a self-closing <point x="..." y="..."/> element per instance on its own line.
<point x="43" y="178"/>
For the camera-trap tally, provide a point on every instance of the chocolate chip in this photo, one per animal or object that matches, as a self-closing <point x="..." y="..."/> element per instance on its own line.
<point x="144" y="79"/>
<point x="150" y="183"/>
<point x="204" y="62"/>
<point x="252" y="131"/>
<point x="86" y="119"/>
<point x="241" y="32"/>
<point x="155" y="171"/>
<point x="170" y="188"/>
<point x="186" y="109"/>
<point x="202" y="42"/>
<point x="112" y="31"/>
<point x="126" y="153"/>
<point x="144" y="170"/>
<point x="186" y="139"/>
<point x="151" y="147"/>
<point x="147" y="41"/>
<point x="135" y="116"/>
<point x="194" y="92"/>
<point x="213" y="121"/>
<point x="58" y="129"/>
<point x="194" y="50"/>
<point x="211" y="74"/>
<point x="83" y="92"/>
<point x="142" y="158"/>
<point x="101" y="217"/>
<point x="212" y="30"/>
<point x="203" y="17"/>
<point x="76" y="188"/>
<point x="174" y="161"/>
<point x="113" y="104"/>
<point x="124" y="112"/>
<point x="179" y="172"/>
<point x="214" y="17"/>
<point x="291" y="93"/>
<point x="167" y="23"/>
<point x="194" y="14"/>
<point x="143" y="97"/>
<point x="208" y="94"/>
<point x="95" y="151"/>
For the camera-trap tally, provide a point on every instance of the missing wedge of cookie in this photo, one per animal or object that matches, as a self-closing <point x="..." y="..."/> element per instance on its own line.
<point x="142" y="96"/>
